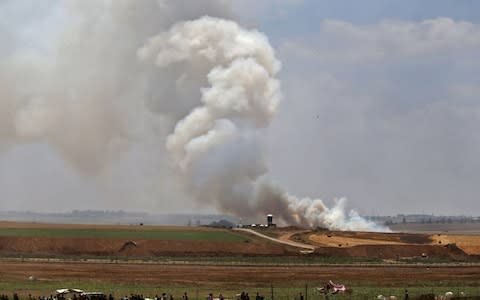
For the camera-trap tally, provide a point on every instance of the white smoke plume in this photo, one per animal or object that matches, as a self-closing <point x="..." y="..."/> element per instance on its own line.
<point x="108" y="97"/>
<point x="85" y="97"/>
<point x="217" y="147"/>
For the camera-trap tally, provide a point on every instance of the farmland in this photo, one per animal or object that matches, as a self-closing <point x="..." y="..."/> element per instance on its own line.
<point x="288" y="280"/>
<point x="149" y="234"/>
<point x="158" y="242"/>
<point x="124" y="259"/>
<point x="106" y="241"/>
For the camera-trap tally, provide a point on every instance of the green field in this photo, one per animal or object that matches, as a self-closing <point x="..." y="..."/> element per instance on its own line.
<point x="209" y="260"/>
<point x="147" y="234"/>
<point x="38" y="288"/>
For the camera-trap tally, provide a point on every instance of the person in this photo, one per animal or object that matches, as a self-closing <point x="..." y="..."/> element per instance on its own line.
<point x="406" y="294"/>
<point x="185" y="296"/>
<point x="210" y="296"/>
<point x="301" y="296"/>
<point x="220" y="297"/>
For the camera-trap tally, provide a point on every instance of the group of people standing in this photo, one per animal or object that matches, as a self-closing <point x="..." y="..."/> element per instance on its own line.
<point x="245" y="296"/>
<point x="5" y="297"/>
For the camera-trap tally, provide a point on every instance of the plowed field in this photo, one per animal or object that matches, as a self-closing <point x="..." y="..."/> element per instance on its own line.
<point x="218" y="276"/>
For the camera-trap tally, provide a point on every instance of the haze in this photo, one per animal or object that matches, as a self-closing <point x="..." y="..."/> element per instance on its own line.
<point x="379" y="104"/>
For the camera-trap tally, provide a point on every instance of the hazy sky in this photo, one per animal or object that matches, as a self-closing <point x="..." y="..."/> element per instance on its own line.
<point x="380" y="103"/>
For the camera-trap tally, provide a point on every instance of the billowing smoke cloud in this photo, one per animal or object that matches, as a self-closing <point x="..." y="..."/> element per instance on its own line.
<point x="87" y="97"/>
<point x="82" y="93"/>
<point x="109" y="97"/>
<point x="217" y="146"/>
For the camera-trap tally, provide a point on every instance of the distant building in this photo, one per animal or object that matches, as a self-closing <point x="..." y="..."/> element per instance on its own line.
<point x="270" y="221"/>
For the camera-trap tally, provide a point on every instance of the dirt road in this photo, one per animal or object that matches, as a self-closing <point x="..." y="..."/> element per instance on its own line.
<point x="281" y="241"/>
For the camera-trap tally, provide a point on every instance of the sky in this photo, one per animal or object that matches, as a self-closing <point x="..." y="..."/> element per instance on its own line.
<point x="380" y="103"/>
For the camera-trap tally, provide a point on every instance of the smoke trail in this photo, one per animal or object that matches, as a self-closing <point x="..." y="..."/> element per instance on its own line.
<point x="217" y="147"/>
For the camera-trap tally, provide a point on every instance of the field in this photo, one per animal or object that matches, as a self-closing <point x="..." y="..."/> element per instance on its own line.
<point x="107" y="241"/>
<point x="151" y="260"/>
<point x="149" y="279"/>
<point x="433" y="228"/>
<point x="395" y="245"/>
<point x="149" y="234"/>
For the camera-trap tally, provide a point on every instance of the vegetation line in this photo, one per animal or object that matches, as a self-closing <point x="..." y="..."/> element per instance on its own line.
<point x="214" y="261"/>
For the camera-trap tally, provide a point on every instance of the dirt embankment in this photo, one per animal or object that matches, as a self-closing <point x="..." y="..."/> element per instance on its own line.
<point x="468" y="243"/>
<point x="141" y="248"/>
<point x="157" y="248"/>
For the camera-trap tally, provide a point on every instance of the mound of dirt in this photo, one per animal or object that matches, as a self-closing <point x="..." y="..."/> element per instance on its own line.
<point x="128" y="246"/>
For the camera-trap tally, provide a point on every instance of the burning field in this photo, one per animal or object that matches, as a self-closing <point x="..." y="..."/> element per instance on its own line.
<point x="197" y="257"/>
<point x="394" y="245"/>
<point x="110" y="241"/>
<point x="174" y="110"/>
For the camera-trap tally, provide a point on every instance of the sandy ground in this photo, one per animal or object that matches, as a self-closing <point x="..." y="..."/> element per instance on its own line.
<point x="468" y="243"/>
<point x="335" y="240"/>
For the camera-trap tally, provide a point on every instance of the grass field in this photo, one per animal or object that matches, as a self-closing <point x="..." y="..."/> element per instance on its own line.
<point x="148" y="234"/>
<point x="38" y="288"/>
<point x="221" y="260"/>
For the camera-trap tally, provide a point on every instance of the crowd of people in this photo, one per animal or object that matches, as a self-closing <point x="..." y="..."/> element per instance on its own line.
<point x="245" y="296"/>
<point x="5" y="297"/>
<point x="61" y="297"/>
<point x="164" y="296"/>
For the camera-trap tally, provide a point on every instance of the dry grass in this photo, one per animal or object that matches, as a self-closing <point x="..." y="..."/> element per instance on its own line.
<point x="333" y="240"/>
<point x="350" y="238"/>
<point x="468" y="243"/>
